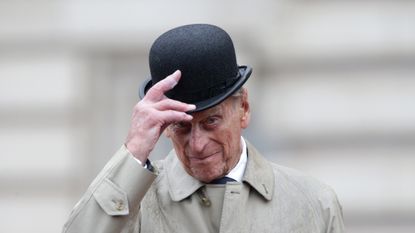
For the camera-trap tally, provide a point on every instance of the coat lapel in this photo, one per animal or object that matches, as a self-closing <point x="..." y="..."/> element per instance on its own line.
<point x="181" y="184"/>
<point x="259" y="174"/>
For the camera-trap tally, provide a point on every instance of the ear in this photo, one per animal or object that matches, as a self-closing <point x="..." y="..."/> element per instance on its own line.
<point x="245" y="111"/>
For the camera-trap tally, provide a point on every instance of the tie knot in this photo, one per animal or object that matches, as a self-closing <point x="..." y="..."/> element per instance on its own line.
<point x="222" y="180"/>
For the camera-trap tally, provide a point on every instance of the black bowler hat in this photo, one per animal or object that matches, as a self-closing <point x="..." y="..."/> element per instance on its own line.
<point x="206" y="57"/>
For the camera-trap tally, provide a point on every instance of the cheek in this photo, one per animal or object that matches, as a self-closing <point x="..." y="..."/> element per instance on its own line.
<point x="231" y="140"/>
<point x="178" y="146"/>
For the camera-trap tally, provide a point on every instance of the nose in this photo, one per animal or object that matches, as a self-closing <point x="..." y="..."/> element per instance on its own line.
<point x="198" y="140"/>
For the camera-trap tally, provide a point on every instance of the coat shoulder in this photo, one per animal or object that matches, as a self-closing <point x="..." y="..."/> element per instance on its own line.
<point x="295" y="180"/>
<point x="312" y="190"/>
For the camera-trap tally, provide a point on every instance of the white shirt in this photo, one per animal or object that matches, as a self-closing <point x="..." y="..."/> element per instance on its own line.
<point x="238" y="171"/>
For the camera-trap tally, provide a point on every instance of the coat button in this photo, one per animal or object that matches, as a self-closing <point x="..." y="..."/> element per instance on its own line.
<point x="206" y="202"/>
<point x="119" y="205"/>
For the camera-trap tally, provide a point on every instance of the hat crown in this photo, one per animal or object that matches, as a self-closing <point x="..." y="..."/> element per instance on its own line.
<point x="203" y="53"/>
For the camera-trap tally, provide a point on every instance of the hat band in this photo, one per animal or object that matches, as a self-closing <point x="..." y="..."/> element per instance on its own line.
<point x="206" y="93"/>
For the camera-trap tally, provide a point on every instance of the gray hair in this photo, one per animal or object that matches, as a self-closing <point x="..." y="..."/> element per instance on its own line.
<point x="239" y="92"/>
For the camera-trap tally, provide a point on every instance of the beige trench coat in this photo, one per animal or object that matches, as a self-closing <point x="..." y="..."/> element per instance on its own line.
<point x="126" y="197"/>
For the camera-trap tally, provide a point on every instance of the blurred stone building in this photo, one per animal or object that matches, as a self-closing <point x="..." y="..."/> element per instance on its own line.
<point x="333" y="95"/>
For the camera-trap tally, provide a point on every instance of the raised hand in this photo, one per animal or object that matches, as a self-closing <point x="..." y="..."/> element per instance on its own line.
<point x="152" y="115"/>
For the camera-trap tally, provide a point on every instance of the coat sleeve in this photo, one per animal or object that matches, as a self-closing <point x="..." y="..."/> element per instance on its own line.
<point x="112" y="202"/>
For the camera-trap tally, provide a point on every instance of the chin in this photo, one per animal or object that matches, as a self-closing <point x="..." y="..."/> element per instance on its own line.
<point x="207" y="176"/>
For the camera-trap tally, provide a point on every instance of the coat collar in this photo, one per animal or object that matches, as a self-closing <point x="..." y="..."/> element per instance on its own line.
<point x="258" y="174"/>
<point x="181" y="184"/>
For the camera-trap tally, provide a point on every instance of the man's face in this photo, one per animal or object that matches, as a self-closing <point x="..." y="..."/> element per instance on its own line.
<point x="210" y="145"/>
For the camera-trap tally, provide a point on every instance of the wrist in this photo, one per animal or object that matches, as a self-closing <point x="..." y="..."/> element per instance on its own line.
<point x="140" y="156"/>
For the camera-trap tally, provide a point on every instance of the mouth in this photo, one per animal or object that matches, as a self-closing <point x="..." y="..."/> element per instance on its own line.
<point x="200" y="159"/>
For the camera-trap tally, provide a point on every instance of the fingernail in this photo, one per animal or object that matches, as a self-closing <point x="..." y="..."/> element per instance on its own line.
<point x="173" y="83"/>
<point x="191" y="106"/>
<point x="177" y="74"/>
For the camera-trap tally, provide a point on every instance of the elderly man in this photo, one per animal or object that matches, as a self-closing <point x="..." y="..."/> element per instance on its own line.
<point x="213" y="180"/>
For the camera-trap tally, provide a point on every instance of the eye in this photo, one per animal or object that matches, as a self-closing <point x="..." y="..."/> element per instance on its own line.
<point x="180" y="126"/>
<point x="211" y="121"/>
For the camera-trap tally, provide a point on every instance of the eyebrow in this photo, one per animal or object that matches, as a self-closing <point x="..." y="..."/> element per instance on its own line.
<point x="213" y="111"/>
<point x="208" y="113"/>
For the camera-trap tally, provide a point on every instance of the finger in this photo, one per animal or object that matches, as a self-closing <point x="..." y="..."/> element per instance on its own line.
<point x="157" y="91"/>
<point x="169" y="104"/>
<point x="171" y="116"/>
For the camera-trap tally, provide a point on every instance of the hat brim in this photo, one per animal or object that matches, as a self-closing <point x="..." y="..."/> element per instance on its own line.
<point x="244" y="73"/>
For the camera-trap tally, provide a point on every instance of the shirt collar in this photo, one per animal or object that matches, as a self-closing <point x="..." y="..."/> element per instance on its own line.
<point x="238" y="171"/>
